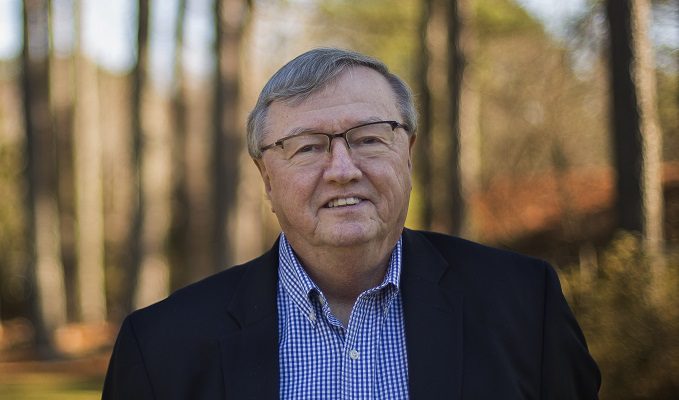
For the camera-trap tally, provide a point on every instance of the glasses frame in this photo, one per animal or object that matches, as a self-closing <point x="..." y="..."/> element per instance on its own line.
<point x="331" y="136"/>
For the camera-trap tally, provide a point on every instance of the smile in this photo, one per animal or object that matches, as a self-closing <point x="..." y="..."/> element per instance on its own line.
<point x="341" y="202"/>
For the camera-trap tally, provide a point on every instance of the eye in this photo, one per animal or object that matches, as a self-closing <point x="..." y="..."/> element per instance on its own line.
<point x="306" y="149"/>
<point x="309" y="148"/>
<point x="376" y="135"/>
<point x="370" y="140"/>
<point x="305" y="145"/>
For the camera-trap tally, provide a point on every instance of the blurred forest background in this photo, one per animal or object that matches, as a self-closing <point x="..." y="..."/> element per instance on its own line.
<point x="550" y="128"/>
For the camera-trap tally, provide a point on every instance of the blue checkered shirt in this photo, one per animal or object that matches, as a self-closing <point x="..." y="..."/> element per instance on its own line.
<point x="321" y="359"/>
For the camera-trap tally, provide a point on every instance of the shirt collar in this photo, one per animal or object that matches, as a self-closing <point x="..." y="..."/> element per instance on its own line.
<point x="299" y="286"/>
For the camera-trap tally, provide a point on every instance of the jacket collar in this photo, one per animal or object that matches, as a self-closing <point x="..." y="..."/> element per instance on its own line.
<point x="433" y="324"/>
<point x="432" y="308"/>
<point x="250" y="352"/>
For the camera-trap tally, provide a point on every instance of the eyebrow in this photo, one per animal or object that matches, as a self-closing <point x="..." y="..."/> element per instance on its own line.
<point x="303" y="130"/>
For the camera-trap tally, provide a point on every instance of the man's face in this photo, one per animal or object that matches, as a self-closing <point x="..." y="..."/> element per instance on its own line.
<point x="301" y="196"/>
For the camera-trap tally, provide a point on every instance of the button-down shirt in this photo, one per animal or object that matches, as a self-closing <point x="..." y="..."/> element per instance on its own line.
<point x="322" y="359"/>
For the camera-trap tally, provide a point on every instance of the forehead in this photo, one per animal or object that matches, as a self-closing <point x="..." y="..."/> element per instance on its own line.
<point x="358" y="94"/>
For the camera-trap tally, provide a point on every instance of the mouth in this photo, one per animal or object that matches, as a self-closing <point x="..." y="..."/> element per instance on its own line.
<point x="343" y="202"/>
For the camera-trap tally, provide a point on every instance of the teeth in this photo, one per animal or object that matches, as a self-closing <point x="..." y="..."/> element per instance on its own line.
<point x="344" y="202"/>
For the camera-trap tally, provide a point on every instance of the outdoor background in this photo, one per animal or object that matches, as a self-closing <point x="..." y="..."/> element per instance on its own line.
<point x="547" y="127"/>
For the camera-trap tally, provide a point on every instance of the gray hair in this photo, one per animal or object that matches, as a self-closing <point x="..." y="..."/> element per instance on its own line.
<point x="309" y="73"/>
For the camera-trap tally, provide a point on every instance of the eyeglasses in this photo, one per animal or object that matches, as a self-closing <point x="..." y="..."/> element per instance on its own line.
<point x="367" y="140"/>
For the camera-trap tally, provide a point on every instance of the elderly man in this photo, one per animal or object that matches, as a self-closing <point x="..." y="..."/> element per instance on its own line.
<point x="348" y="304"/>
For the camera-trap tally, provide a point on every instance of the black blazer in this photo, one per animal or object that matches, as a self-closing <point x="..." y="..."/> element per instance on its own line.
<point x="480" y="323"/>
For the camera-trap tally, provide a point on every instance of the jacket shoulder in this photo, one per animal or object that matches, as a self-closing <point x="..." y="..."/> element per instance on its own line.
<point x="462" y="252"/>
<point x="202" y="303"/>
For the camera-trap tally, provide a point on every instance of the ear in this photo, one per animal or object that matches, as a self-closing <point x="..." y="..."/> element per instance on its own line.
<point x="265" y="177"/>
<point x="411" y="143"/>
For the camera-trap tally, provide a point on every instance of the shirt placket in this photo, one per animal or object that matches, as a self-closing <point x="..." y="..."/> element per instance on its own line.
<point x="340" y="363"/>
<point x="359" y="350"/>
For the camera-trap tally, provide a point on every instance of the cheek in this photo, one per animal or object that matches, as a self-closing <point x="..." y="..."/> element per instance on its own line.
<point x="278" y="192"/>
<point x="394" y="183"/>
<point x="403" y="195"/>
<point x="291" y="191"/>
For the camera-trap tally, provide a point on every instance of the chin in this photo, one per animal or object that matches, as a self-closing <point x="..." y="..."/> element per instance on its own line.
<point x="350" y="235"/>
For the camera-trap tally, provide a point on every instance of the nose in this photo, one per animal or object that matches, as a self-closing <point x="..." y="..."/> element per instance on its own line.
<point x="341" y="167"/>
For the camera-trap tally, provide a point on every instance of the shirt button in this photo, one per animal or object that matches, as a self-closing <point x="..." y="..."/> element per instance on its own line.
<point x="312" y="316"/>
<point x="353" y="354"/>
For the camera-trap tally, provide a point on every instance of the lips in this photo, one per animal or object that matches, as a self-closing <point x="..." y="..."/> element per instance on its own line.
<point x="342" y="202"/>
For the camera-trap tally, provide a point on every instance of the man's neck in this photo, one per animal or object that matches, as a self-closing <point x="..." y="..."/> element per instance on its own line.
<point x="343" y="274"/>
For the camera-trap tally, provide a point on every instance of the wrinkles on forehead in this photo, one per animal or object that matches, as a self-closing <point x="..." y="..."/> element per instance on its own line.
<point x="315" y="129"/>
<point x="340" y="104"/>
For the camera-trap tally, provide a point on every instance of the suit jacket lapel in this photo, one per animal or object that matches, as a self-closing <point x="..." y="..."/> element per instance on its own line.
<point x="433" y="321"/>
<point x="250" y="352"/>
<point x="433" y="324"/>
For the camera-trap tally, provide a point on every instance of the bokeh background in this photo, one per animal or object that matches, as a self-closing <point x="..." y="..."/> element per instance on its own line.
<point x="547" y="127"/>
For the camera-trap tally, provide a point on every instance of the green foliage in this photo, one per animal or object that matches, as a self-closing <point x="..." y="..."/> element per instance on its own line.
<point x="533" y="104"/>
<point x="386" y="29"/>
<point x="630" y="316"/>
<point x="29" y="386"/>
<point x="504" y="17"/>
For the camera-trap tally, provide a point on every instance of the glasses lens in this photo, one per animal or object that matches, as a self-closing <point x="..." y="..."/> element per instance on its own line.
<point x="305" y="148"/>
<point x="371" y="140"/>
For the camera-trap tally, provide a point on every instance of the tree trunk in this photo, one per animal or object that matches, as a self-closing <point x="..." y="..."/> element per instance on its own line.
<point x="199" y="183"/>
<point x="61" y="102"/>
<point x="136" y="247"/>
<point x="231" y="16"/>
<point x="469" y="123"/>
<point x="438" y="149"/>
<point x="87" y="154"/>
<point x="456" y="65"/>
<point x="118" y="186"/>
<point x="152" y="147"/>
<point x="637" y="140"/>
<point x="134" y="235"/>
<point x="423" y="148"/>
<point x="179" y="225"/>
<point x="45" y="270"/>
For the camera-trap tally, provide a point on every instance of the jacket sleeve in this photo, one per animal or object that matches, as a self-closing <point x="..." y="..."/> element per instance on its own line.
<point x="126" y="378"/>
<point x="568" y="369"/>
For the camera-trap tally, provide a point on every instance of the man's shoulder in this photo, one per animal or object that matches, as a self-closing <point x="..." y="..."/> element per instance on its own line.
<point x="490" y="279"/>
<point x="200" y="301"/>
<point x="466" y="256"/>
<point x="459" y="248"/>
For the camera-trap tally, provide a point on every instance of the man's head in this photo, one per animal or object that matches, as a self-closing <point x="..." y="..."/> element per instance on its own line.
<point x="332" y="134"/>
<point x="309" y="73"/>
